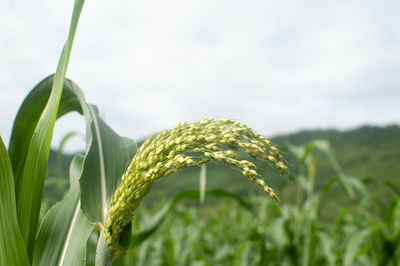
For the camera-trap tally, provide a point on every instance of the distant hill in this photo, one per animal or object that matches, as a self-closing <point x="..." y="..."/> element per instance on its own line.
<point x="367" y="151"/>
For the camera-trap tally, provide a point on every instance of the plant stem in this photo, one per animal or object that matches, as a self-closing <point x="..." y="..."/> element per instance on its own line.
<point x="102" y="253"/>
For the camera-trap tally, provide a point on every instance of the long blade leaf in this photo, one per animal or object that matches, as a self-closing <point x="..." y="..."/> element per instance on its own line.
<point x="12" y="248"/>
<point x="31" y="169"/>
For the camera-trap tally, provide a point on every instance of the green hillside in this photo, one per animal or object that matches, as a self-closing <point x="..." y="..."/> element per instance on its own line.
<point x="366" y="151"/>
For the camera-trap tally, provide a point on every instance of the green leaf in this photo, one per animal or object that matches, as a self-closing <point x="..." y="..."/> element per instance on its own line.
<point x="326" y="244"/>
<point x="354" y="246"/>
<point x="107" y="154"/>
<point x="29" y="114"/>
<point x="12" y="249"/>
<point x="65" y="229"/>
<point x="30" y="167"/>
<point x="106" y="159"/>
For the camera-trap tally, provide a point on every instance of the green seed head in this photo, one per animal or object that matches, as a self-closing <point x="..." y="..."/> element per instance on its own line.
<point x="184" y="146"/>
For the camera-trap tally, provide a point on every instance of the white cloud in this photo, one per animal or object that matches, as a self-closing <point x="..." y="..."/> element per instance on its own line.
<point x="276" y="65"/>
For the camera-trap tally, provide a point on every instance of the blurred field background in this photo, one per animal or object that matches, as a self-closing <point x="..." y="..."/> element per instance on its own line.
<point x="339" y="206"/>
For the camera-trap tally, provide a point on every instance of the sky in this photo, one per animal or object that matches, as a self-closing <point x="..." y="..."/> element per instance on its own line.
<point x="277" y="66"/>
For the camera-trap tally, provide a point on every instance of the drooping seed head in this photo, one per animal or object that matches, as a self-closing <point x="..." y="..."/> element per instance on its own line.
<point x="188" y="144"/>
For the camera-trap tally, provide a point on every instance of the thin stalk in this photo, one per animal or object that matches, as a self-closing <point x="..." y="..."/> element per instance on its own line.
<point x="103" y="257"/>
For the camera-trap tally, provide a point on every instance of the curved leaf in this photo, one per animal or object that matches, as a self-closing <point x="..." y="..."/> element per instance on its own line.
<point x="29" y="114"/>
<point x="107" y="156"/>
<point x="12" y="249"/>
<point x="354" y="246"/>
<point x="107" y="153"/>
<point x="65" y="229"/>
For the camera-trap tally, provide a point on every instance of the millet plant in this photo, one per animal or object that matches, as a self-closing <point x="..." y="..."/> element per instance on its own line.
<point x="103" y="192"/>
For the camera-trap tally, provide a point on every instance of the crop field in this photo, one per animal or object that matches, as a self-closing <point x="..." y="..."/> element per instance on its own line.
<point x="190" y="220"/>
<point x="310" y="227"/>
<point x="210" y="216"/>
<point x="209" y="192"/>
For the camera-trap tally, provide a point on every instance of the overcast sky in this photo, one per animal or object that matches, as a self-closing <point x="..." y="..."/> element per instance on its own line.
<point x="278" y="66"/>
